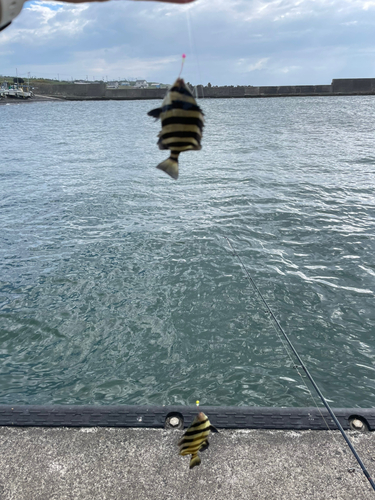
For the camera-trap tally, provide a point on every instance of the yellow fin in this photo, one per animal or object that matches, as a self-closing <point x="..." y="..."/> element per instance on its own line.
<point x="170" y="167"/>
<point x="195" y="460"/>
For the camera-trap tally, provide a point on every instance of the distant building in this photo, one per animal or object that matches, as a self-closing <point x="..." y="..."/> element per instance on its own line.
<point x="155" y="85"/>
<point x="125" y="84"/>
<point x="112" y="85"/>
<point x="141" y="84"/>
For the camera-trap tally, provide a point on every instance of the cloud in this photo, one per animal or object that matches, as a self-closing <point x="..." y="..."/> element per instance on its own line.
<point x="245" y="66"/>
<point x="227" y="42"/>
<point x="289" y="69"/>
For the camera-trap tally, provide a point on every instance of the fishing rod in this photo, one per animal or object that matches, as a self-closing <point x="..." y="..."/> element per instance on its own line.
<point x="325" y="402"/>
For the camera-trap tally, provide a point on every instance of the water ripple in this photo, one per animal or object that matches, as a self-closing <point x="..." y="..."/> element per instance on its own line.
<point x="117" y="284"/>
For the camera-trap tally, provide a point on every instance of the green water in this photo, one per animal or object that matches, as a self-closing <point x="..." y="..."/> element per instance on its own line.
<point x="117" y="285"/>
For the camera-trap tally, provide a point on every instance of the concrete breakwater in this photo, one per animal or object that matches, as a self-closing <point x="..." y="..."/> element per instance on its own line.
<point x="99" y="91"/>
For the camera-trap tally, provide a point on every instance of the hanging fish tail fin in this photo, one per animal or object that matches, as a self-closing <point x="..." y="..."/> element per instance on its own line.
<point x="195" y="460"/>
<point x="170" y="165"/>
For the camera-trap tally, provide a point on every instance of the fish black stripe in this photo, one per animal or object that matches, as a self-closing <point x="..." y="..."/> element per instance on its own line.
<point x="180" y="105"/>
<point x="196" y="431"/>
<point x="190" y="446"/>
<point x="200" y="422"/>
<point x="183" y="120"/>
<point x="191" y="439"/>
<point x="190" y="450"/>
<point x="181" y="90"/>
<point x="193" y="444"/>
<point x="181" y="145"/>
<point x="187" y="441"/>
<point x="193" y="135"/>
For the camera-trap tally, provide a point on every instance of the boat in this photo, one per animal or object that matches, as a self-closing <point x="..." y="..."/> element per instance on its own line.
<point x="16" y="92"/>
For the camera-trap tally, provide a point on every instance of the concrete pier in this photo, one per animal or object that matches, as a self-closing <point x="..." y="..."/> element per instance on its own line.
<point x="40" y="463"/>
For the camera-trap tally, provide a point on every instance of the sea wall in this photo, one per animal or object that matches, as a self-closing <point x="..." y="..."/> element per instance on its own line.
<point x="134" y="94"/>
<point x="98" y="91"/>
<point x="290" y="90"/>
<point x="86" y="90"/>
<point x="354" y="86"/>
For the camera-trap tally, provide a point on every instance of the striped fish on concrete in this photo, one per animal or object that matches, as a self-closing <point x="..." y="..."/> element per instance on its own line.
<point x="182" y="124"/>
<point x="196" y="438"/>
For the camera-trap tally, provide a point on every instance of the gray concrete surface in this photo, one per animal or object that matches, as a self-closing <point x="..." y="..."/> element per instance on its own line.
<point x="38" y="463"/>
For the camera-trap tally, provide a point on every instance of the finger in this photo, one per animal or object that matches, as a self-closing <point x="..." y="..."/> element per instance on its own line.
<point x="168" y="1"/>
<point x="175" y="1"/>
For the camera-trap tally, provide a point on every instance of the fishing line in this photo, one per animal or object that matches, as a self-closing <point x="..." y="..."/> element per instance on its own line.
<point x="193" y="51"/>
<point x="182" y="64"/>
<point x="323" y="399"/>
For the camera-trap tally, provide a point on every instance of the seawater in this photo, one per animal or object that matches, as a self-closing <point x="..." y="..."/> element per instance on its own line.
<point x="117" y="285"/>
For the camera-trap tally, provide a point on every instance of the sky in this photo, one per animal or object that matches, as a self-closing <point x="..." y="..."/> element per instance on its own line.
<point x="226" y="42"/>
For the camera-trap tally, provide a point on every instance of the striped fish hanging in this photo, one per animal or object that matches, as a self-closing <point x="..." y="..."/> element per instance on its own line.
<point x="196" y="438"/>
<point x="182" y="124"/>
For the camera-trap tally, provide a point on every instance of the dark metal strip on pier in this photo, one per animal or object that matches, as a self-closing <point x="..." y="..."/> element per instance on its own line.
<point x="224" y="417"/>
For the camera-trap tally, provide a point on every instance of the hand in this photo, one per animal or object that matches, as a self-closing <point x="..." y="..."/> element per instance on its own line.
<point x="168" y="1"/>
<point x="175" y="1"/>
